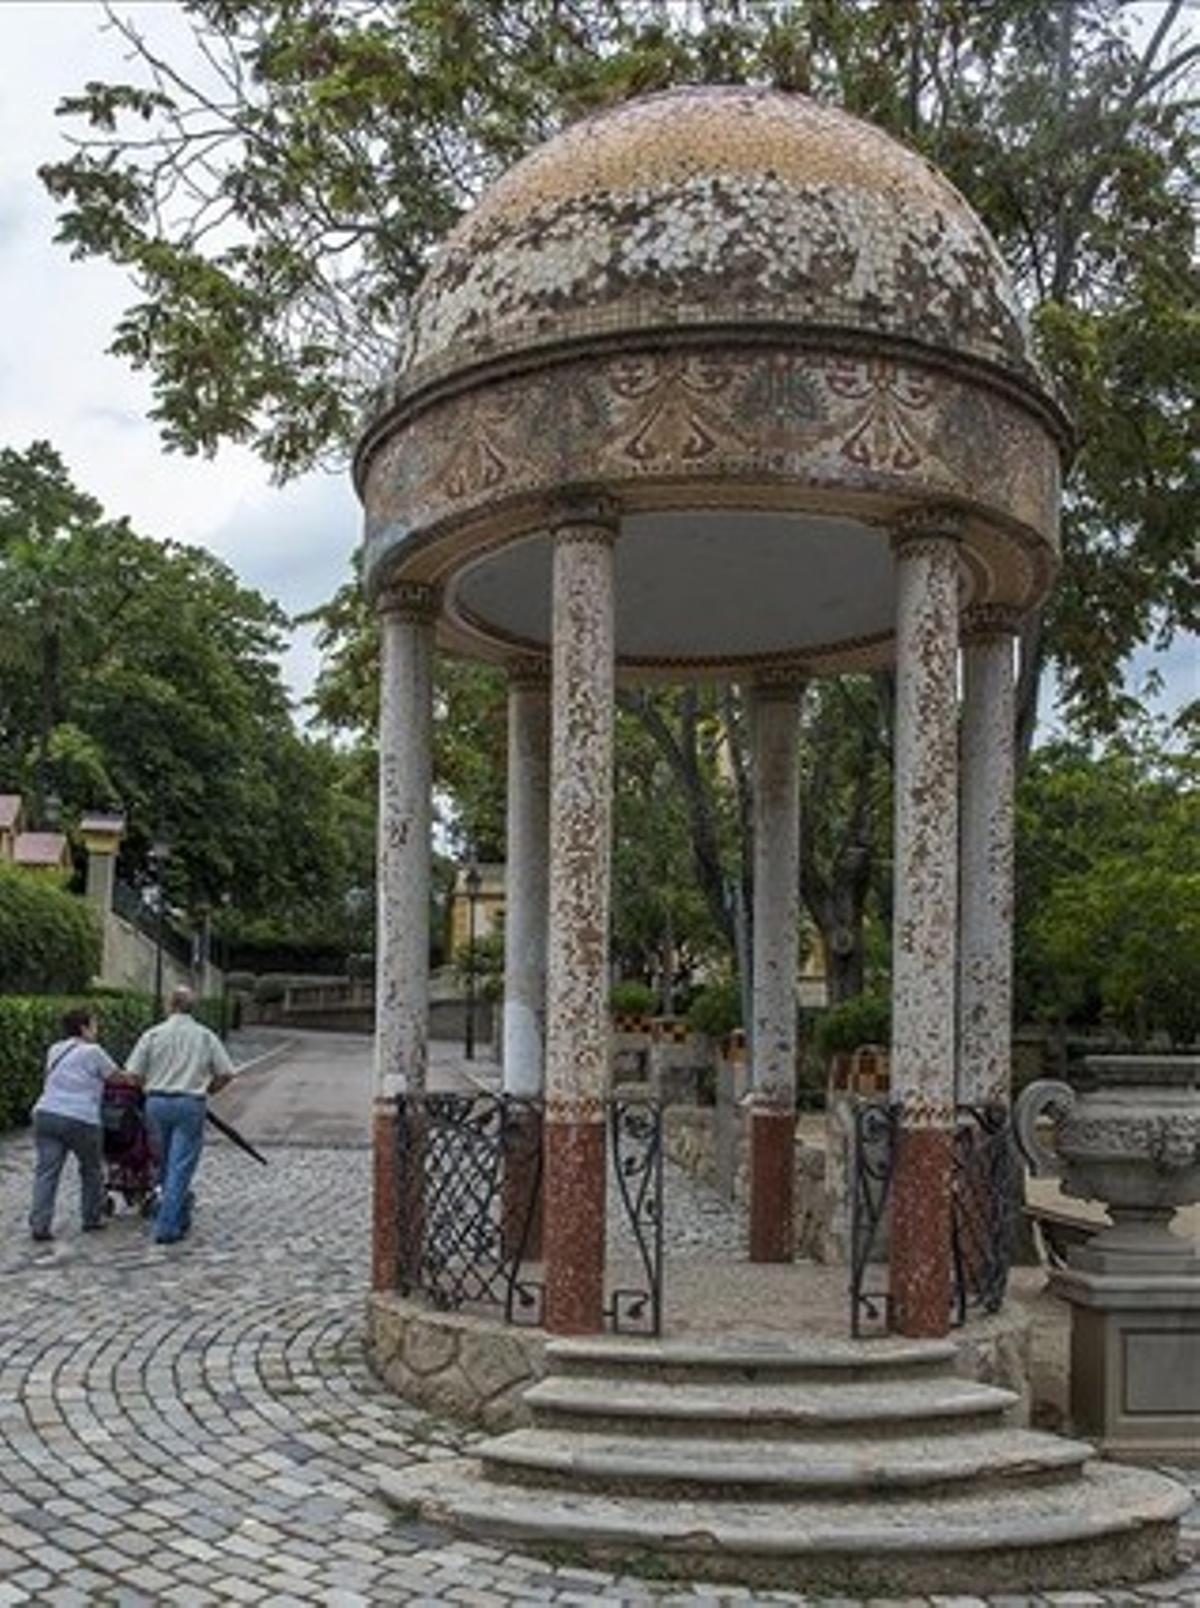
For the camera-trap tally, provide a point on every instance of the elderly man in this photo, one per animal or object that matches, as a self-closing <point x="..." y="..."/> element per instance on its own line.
<point x="178" y="1063"/>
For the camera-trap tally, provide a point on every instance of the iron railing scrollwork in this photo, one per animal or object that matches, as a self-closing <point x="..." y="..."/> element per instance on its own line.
<point x="635" y="1130"/>
<point x="984" y="1203"/>
<point x="985" y="1183"/>
<point x="469" y="1182"/>
<point x="872" y="1164"/>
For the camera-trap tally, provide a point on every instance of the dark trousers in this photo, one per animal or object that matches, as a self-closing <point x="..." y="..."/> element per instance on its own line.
<point x="57" y="1138"/>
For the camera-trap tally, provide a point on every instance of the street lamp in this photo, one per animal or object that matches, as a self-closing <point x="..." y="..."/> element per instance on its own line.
<point x="159" y="854"/>
<point x="471" y="881"/>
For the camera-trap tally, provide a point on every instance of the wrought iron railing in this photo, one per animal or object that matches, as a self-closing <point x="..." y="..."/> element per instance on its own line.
<point x="985" y="1183"/>
<point x="469" y="1194"/>
<point x="463" y="1235"/>
<point x="872" y="1165"/>
<point x="635" y="1130"/>
<point x="984" y="1207"/>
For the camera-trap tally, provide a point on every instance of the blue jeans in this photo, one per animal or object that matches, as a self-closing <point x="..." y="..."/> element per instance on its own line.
<point x="176" y="1123"/>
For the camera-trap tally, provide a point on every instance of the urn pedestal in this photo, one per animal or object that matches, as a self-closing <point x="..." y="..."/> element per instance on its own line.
<point x="1132" y="1140"/>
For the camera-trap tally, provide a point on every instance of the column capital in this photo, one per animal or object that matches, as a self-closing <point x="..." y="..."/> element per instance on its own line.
<point x="927" y="528"/>
<point x="982" y="620"/>
<point x="778" y="684"/>
<point x="528" y="670"/>
<point x="409" y="600"/>
<point x="587" y="516"/>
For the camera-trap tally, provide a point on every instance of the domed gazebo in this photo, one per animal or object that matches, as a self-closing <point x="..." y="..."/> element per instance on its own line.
<point x="718" y="384"/>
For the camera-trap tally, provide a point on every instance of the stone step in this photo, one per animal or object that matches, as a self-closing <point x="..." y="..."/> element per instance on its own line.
<point x="777" y="1471"/>
<point x="862" y="1407"/>
<point x="1112" y="1523"/>
<point x="765" y="1360"/>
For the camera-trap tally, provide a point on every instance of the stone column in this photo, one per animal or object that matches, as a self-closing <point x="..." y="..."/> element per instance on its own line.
<point x="577" y="1030"/>
<point x="985" y="899"/>
<point x="101" y="834"/>
<point x="926" y="919"/>
<point x="407" y="612"/>
<point x="527" y="877"/>
<point x="526" y="905"/>
<point x="775" y="737"/>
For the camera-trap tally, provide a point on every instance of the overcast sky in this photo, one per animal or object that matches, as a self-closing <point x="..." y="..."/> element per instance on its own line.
<point x="293" y="543"/>
<point x="57" y="383"/>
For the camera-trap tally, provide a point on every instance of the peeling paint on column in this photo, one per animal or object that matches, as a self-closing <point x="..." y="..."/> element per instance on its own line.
<point x="407" y="613"/>
<point x="577" y="1029"/>
<point x="986" y="857"/>
<point x="527" y="880"/>
<point x="926" y="825"/>
<point x="926" y="918"/>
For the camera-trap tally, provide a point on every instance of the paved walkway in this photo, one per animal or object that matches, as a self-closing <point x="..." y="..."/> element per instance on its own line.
<point x="196" y="1424"/>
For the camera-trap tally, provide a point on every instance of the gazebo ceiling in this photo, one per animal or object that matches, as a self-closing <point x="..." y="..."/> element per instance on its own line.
<point x="765" y="330"/>
<point x="705" y="585"/>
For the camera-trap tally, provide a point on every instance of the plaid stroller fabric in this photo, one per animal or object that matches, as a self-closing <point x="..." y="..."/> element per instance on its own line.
<point x="130" y="1169"/>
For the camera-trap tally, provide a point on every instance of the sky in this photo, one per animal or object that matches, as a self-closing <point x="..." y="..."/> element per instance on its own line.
<point x="56" y="382"/>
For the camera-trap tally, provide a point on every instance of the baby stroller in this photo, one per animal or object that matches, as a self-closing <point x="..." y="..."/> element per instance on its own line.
<point x="130" y="1169"/>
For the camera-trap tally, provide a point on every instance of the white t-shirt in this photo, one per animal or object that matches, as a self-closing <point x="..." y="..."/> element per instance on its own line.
<point x="75" y="1074"/>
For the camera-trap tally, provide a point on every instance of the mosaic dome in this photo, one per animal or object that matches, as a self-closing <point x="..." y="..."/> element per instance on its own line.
<point x="716" y="206"/>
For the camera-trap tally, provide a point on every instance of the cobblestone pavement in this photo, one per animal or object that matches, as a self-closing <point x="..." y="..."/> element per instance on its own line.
<point x="196" y="1424"/>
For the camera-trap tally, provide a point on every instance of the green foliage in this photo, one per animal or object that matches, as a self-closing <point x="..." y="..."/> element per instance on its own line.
<point x="855" y="1023"/>
<point x="142" y="674"/>
<point x="631" y="999"/>
<point x="483" y="964"/>
<point x="1108" y="890"/>
<point x="717" y="1009"/>
<point x="28" y="1026"/>
<point x="276" y="252"/>
<point x="49" y="940"/>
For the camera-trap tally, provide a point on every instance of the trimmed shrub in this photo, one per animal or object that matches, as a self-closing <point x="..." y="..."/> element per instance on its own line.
<point x="49" y="939"/>
<point x="842" y="1029"/>
<point x="716" y="1010"/>
<point x="30" y="1024"/>
<point x="631" y="999"/>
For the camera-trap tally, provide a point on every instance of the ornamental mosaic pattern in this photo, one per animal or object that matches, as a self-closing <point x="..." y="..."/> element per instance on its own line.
<point x="715" y="205"/>
<point x="695" y="417"/>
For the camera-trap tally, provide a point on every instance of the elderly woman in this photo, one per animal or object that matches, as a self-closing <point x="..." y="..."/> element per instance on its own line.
<point x="66" y="1121"/>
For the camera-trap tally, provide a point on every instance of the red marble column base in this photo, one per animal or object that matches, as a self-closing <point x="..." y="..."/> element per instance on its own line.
<point x="573" y="1235"/>
<point x="919" y="1262"/>
<point x="521" y="1199"/>
<point x="772" y="1185"/>
<point x="385" y="1200"/>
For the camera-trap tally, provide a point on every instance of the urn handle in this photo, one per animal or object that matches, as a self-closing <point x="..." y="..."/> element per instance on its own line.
<point x="1041" y="1098"/>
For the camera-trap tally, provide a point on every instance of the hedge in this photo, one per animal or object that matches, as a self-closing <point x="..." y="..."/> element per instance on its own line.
<point x="49" y="939"/>
<point x="29" y="1024"/>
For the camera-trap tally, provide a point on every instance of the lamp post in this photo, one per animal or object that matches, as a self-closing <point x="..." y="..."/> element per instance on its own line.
<point x="160" y="853"/>
<point x="471" y="881"/>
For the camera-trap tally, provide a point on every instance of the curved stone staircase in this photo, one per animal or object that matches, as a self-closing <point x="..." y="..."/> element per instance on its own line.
<point x="836" y="1466"/>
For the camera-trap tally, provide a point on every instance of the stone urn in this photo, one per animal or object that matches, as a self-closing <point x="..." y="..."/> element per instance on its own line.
<point x="1130" y="1138"/>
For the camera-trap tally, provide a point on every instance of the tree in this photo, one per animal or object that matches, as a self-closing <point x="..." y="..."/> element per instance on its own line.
<point x="1108" y="912"/>
<point x="276" y="199"/>
<point x="142" y="674"/>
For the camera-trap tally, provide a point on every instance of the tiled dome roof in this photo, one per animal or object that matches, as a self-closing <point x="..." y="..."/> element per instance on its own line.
<point x="716" y="206"/>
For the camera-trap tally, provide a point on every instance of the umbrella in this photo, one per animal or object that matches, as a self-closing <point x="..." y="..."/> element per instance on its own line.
<point x="231" y="1132"/>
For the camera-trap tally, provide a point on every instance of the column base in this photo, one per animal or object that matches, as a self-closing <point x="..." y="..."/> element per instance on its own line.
<point x="919" y="1265"/>
<point x="772" y="1185"/>
<point x="574" y="1231"/>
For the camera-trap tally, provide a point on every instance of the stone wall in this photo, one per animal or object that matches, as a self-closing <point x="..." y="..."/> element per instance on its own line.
<point x="468" y="1368"/>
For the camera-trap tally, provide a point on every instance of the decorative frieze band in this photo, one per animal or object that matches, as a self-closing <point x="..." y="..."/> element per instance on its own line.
<point x="778" y="684"/>
<point x="409" y="600"/>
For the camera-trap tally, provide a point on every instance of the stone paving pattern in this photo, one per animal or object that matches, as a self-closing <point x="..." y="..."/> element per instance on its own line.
<point x="196" y="1424"/>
